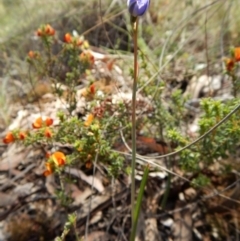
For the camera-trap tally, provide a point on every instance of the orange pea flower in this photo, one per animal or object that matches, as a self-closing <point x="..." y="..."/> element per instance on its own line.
<point x="31" y="54"/>
<point x="229" y="63"/>
<point x="67" y="38"/>
<point x="92" y="89"/>
<point x="82" y="56"/>
<point x="38" y="123"/>
<point x="49" y="121"/>
<point x="48" y="133"/>
<point x="87" y="57"/>
<point x="39" y="32"/>
<point x="8" y="138"/>
<point x="47" y="154"/>
<point x="79" y="42"/>
<point x="49" y="169"/>
<point x="49" y="30"/>
<point x="59" y="158"/>
<point x="46" y="30"/>
<point x="237" y="54"/>
<point x="91" y="58"/>
<point x="22" y="135"/>
<point x="89" y="120"/>
<point x="89" y="92"/>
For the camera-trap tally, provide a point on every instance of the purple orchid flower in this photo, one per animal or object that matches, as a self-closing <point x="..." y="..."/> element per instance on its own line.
<point x="137" y="7"/>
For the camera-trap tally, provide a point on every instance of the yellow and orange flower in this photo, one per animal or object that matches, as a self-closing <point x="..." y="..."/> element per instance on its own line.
<point x="92" y="89"/>
<point x="237" y="54"/>
<point x="49" y="121"/>
<point x="59" y="158"/>
<point x="87" y="57"/>
<point x="48" y="133"/>
<point x="89" y="92"/>
<point x="230" y="64"/>
<point x="67" y="38"/>
<point x="89" y="120"/>
<point x="8" y="138"/>
<point x="39" y="123"/>
<point x="49" y="30"/>
<point x="49" y="169"/>
<point x="46" y="30"/>
<point x="22" y="135"/>
<point x="47" y="155"/>
<point x="39" y="32"/>
<point x="31" y="54"/>
<point x="79" y="42"/>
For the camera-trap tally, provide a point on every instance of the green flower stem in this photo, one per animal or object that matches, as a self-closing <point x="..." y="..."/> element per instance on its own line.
<point x="133" y="164"/>
<point x="139" y="202"/>
<point x="166" y="193"/>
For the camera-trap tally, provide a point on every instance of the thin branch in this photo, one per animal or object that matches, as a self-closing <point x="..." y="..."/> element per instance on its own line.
<point x="203" y="136"/>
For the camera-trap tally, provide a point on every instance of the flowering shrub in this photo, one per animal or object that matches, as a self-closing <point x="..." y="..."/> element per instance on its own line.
<point x="86" y="136"/>
<point x="66" y="66"/>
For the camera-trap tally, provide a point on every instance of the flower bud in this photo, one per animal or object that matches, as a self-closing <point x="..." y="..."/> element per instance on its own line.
<point x="137" y="7"/>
